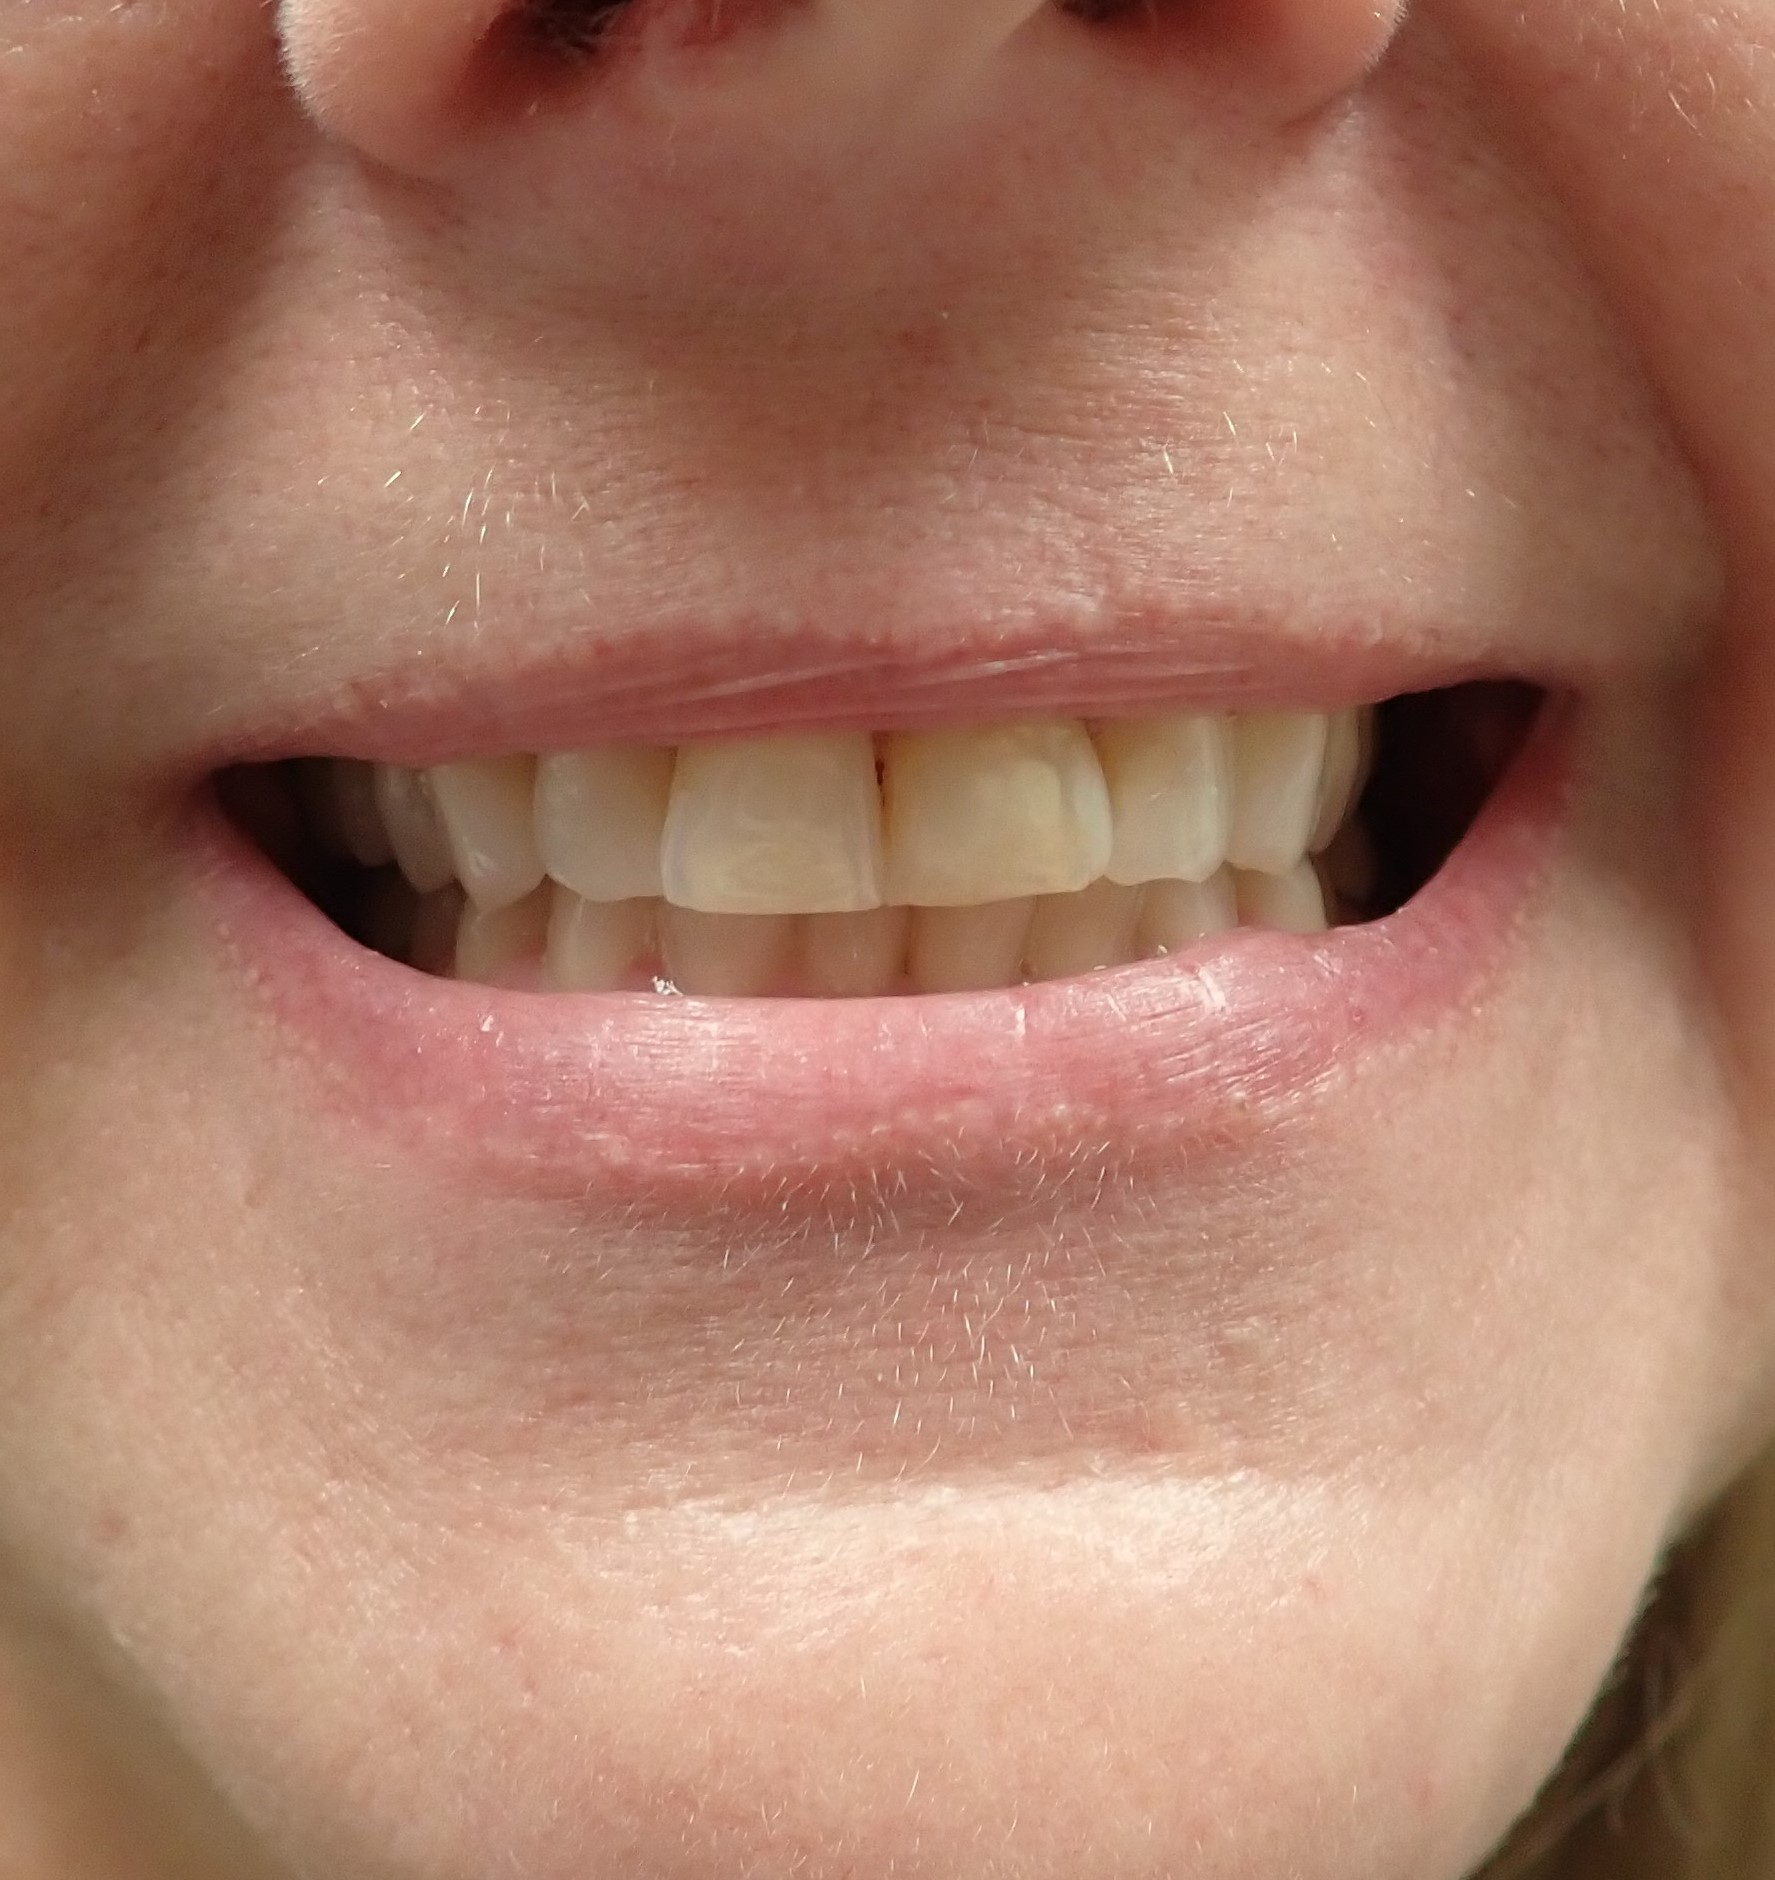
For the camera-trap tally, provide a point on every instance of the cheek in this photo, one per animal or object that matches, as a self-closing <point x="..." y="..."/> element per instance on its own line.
<point x="134" y="141"/>
<point x="1668" y="170"/>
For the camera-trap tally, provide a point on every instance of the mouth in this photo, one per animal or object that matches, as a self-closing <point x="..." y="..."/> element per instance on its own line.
<point x="857" y="865"/>
<point x="651" y="976"/>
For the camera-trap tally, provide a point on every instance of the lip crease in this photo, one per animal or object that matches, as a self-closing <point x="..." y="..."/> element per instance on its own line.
<point x="668" y="1102"/>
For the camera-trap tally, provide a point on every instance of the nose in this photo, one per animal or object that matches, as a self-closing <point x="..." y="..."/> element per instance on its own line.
<point x="414" y="84"/>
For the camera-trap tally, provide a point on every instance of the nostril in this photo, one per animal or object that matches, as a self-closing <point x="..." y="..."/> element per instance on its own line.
<point x="568" y="27"/>
<point x="1290" y="56"/>
<point x="1096" y="10"/>
<point x="577" y="27"/>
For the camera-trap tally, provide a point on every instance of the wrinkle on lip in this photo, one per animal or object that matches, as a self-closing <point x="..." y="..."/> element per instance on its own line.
<point x="660" y="687"/>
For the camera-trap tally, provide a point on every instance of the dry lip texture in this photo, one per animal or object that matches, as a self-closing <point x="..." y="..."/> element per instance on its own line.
<point x="659" y="686"/>
<point x="665" y="1100"/>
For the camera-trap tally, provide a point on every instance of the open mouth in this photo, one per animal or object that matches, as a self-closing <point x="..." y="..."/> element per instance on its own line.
<point x="859" y="865"/>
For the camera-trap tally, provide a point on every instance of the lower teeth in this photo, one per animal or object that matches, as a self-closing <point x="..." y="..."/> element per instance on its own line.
<point x="1438" y="756"/>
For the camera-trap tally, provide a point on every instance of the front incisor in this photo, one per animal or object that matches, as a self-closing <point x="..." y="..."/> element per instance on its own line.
<point x="994" y="815"/>
<point x="779" y="825"/>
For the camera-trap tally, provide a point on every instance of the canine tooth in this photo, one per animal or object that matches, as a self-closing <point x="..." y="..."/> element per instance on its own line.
<point x="340" y="793"/>
<point x="1277" y="761"/>
<point x="408" y="813"/>
<point x="1078" y="933"/>
<point x="1339" y="779"/>
<point x="968" y="949"/>
<point x="503" y="945"/>
<point x="486" y="811"/>
<point x="1176" y="914"/>
<point x="600" y="814"/>
<point x="994" y="815"/>
<point x="777" y="825"/>
<point x="1170" y="789"/>
<point x="855" y="956"/>
<point x="593" y="945"/>
<point x="1289" y="903"/>
<point x="725" y="956"/>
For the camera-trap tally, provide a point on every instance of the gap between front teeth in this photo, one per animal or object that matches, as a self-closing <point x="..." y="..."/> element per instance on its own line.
<point x="845" y="865"/>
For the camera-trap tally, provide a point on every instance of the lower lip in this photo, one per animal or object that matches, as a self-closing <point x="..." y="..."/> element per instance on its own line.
<point x="665" y="1102"/>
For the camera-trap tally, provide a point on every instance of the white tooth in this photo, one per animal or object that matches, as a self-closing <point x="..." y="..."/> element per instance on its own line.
<point x="1170" y="788"/>
<point x="968" y="949"/>
<point x="408" y="813"/>
<point x="1176" y="914"/>
<point x="486" y="810"/>
<point x="1290" y="903"/>
<point x="1340" y="778"/>
<point x="995" y="814"/>
<point x="855" y="956"/>
<point x="725" y="956"/>
<point x="1277" y="761"/>
<point x="778" y="825"/>
<point x="340" y="794"/>
<point x="1078" y="933"/>
<point x="593" y="946"/>
<point x="600" y="814"/>
<point x="436" y="918"/>
<point x="503" y="946"/>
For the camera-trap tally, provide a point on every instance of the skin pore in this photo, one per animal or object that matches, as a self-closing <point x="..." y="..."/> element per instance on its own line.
<point x="390" y="1492"/>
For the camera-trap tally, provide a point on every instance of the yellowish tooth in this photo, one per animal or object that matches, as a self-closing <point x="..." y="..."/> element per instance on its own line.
<point x="855" y="956"/>
<point x="726" y="956"/>
<point x="968" y="949"/>
<point x="1289" y="903"/>
<point x="1174" y="915"/>
<point x="1170" y="789"/>
<point x="994" y="814"/>
<point x="1078" y="933"/>
<point x="600" y="814"/>
<point x="1339" y="779"/>
<point x="1278" y="758"/>
<point x="503" y="946"/>
<point x="778" y="825"/>
<point x="593" y="946"/>
<point x="486" y="811"/>
<point x="404" y="802"/>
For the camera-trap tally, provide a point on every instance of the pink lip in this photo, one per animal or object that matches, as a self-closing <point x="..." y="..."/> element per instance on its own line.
<point x="659" y="685"/>
<point x="669" y="1102"/>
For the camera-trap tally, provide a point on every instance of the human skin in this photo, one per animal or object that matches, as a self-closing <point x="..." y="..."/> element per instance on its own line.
<point x="1265" y="1498"/>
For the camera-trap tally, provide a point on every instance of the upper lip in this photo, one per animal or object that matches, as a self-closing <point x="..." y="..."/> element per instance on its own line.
<point x="664" y="687"/>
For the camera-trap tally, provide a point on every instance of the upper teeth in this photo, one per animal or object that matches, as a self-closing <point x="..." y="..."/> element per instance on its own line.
<point x="843" y="824"/>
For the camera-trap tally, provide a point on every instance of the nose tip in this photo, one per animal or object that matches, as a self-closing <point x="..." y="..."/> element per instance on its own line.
<point x="408" y="82"/>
